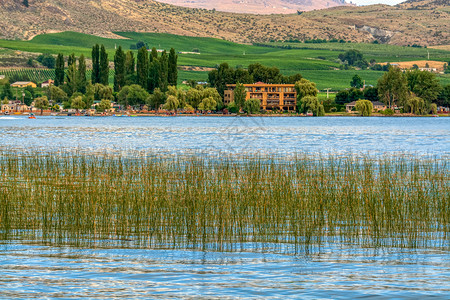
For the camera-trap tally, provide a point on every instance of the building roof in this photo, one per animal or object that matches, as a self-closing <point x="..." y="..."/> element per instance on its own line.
<point x="378" y="103"/>
<point x="22" y="82"/>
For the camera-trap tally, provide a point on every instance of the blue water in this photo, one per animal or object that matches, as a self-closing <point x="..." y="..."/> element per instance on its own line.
<point x="280" y="135"/>
<point x="46" y="271"/>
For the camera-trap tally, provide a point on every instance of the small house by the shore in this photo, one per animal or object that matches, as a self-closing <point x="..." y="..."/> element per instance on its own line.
<point x="47" y="83"/>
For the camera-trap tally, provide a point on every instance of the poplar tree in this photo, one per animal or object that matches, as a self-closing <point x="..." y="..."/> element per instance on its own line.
<point x="71" y="59"/>
<point x="95" y="78"/>
<point x="142" y="67"/>
<point x="172" y="68"/>
<point x="154" y="53"/>
<point x="82" y="80"/>
<point x="154" y="79"/>
<point x="104" y="66"/>
<point x="119" y="69"/>
<point x="72" y="78"/>
<point x="164" y="71"/>
<point x="59" y="70"/>
<point x="130" y="76"/>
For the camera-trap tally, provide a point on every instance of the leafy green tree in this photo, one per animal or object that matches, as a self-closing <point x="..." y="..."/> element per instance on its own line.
<point x="164" y="71"/>
<point x="393" y="88"/>
<point x="57" y="94"/>
<point x="7" y="92"/>
<point x="357" y="82"/>
<point x="142" y="67"/>
<point x="25" y="3"/>
<point x="433" y="108"/>
<point x="304" y="88"/>
<point x="103" y="92"/>
<point x="171" y="103"/>
<point x="172" y="68"/>
<point x="154" y="78"/>
<point x="89" y="95"/>
<point x="364" y="107"/>
<point x="59" y="70"/>
<point x="416" y="105"/>
<point x="240" y="94"/>
<point x="220" y="77"/>
<point x="355" y="94"/>
<point x="104" y="105"/>
<point x="82" y="80"/>
<point x="46" y="60"/>
<point x="194" y="97"/>
<point x="233" y="108"/>
<point x="424" y="85"/>
<point x="77" y="103"/>
<point x="132" y="95"/>
<point x="72" y="78"/>
<point x="207" y="104"/>
<point x="212" y="92"/>
<point x="71" y="59"/>
<point x="30" y="90"/>
<point x="41" y="103"/>
<point x="130" y="73"/>
<point x="104" y="66"/>
<point x="156" y="99"/>
<point x="252" y="106"/>
<point x="444" y="96"/>
<point x="311" y="103"/>
<point x="154" y="54"/>
<point x="353" y="58"/>
<point x="342" y="97"/>
<point x="242" y="76"/>
<point x="371" y="93"/>
<point x="27" y="98"/>
<point x="95" y="78"/>
<point x="179" y="93"/>
<point x="119" y="69"/>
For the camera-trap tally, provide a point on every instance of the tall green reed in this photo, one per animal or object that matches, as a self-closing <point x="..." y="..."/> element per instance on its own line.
<point x="227" y="203"/>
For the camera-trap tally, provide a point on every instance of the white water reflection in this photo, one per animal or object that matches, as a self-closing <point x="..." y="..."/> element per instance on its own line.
<point x="38" y="271"/>
<point x="277" y="135"/>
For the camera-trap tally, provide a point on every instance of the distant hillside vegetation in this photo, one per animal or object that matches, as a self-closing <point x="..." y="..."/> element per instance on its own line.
<point x="259" y="6"/>
<point x="425" y="22"/>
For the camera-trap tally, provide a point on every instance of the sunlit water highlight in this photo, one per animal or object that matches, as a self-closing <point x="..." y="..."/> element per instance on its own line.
<point x="39" y="271"/>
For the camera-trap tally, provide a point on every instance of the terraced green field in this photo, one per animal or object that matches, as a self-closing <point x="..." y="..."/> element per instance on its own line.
<point x="316" y="62"/>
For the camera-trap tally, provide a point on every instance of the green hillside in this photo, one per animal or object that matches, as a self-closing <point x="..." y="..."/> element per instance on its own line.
<point x="317" y="62"/>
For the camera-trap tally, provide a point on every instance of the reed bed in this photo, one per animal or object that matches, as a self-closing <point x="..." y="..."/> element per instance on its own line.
<point x="225" y="203"/>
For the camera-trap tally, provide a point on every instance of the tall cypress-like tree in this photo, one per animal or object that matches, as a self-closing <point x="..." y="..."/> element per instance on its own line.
<point x="82" y="80"/>
<point x="154" y="79"/>
<point x="71" y="59"/>
<point x="130" y="76"/>
<point x="172" y="68"/>
<point x="119" y="68"/>
<point x="95" y="78"/>
<point x="164" y="71"/>
<point x="104" y="66"/>
<point x="142" y="67"/>
<point x="154" y="53"/>
<point x="59" y="70"/>
<point x="72" y="78"/>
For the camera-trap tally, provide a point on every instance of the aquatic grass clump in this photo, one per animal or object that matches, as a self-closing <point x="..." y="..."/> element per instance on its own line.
<point x="227" y="203"/>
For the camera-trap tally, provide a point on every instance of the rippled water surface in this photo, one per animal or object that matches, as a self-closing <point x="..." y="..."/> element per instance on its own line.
<point x="38" y="271"/>
<point x="230" y="134"/>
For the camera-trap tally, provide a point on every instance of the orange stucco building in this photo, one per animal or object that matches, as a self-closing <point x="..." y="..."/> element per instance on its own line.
<point x="272" y="96"/>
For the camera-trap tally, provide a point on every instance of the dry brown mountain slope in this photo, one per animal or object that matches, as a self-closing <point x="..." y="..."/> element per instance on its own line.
<point x="396" y="25"/>
<point x="258" y="6"/>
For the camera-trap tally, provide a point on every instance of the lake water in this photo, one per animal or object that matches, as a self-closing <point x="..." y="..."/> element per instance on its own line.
<point x="43" y="271"/>
<point x="282" y="135"/>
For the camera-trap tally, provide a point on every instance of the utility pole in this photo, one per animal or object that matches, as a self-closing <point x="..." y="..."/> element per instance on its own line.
<point x="328" y="90"/>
